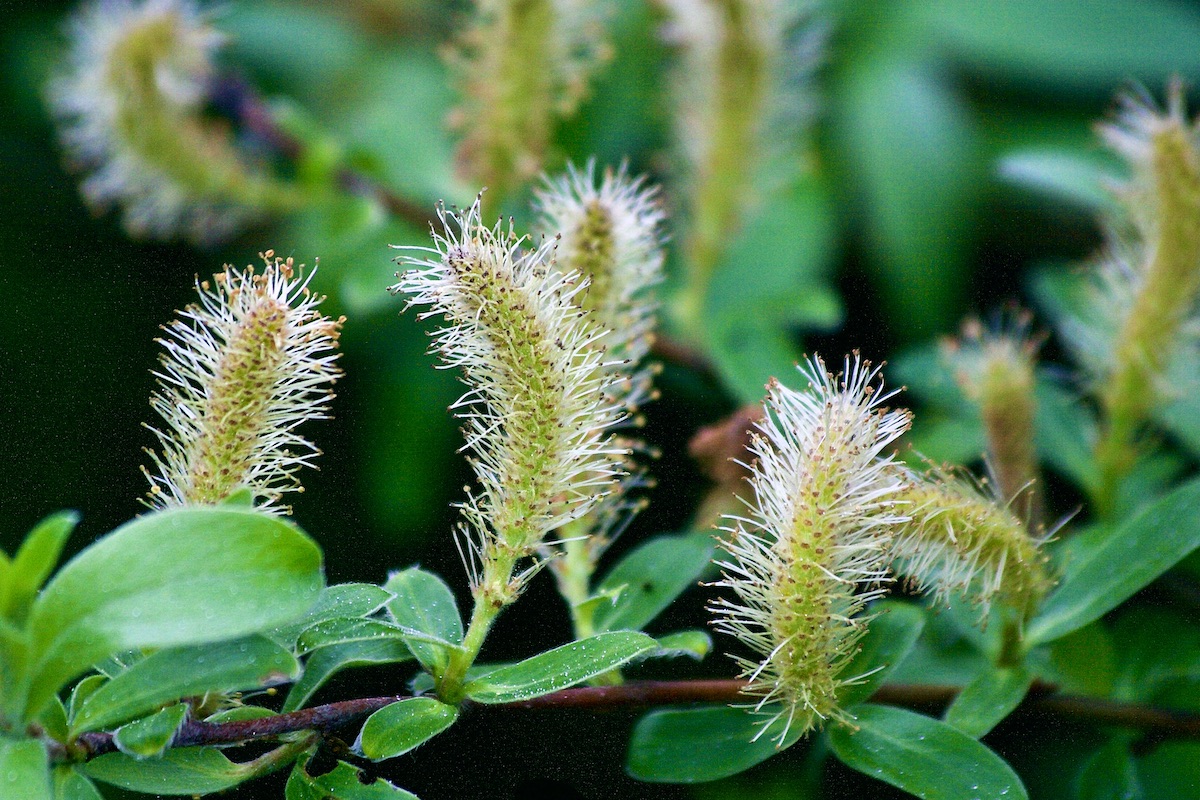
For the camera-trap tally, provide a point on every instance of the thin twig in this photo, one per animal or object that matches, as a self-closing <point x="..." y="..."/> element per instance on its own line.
<point x="1159" y="724"/>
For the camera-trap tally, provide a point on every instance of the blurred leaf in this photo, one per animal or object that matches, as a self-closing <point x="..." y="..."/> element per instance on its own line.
<point x="396" y="729"/>
<point x="1083" y="661"/>
<point x="71" y="785"/>
<point x="25" y="769"/>
<point x="423" y="603"/>
<point x="695" y="745"/>
<point x="891" y="634"/>
<point x="33" y="563"/>
<point x="650" y="577"/>
<point x="343" y="783"/>
<point x="691" y="644"/>
<point x="331" y="46"/>
<point x="1120" y="561"/>
<point x="1079" y="45"/>
<point x="773" y="279"/>
<point x="911" y="143"/>
<point x="1154" y="646"/>
<point x="986" y="701"/>
<point x="1109" y="775"/>
<point x="171" y="578"/>
<point x="1170" y="771"/>
<point x="151" y="735"/>
<point x="53" y="720"/>
<point x="322" y="663"/>
<point x="922" y="756"/>
<point x="248" y="663"/>
<point x="180" y="771"/>
<point x="1061" y="174"/>
<point x="560" y="668"/>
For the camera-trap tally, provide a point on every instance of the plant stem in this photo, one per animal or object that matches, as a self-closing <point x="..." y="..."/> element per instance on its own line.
<point x="1158" y="723"/>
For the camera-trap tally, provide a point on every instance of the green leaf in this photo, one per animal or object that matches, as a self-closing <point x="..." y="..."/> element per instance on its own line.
<point x="690" y="644"/>
<point x="82" y="691"/>
<point x="249" y="663"/>
<point x="180" y="771"/>
<point x="24" y="769"/>
<point x="336" y="602"/>
<point x="1154" y="647"/>
<point x="151" y="735"/>
<point x="341" y="631"/>
<point x="889" y="638"/>
<point x="394" y="730"/>
<point x="424" y="604"/>
<point x="560" y="668"/>
<point x="1089" y="45"/>
<point x="71" y="785"/>
<point x="173" y="578"/>
<point x="701" y="744"/>
<point x="1120" y="561"/>
<point x="321" y="664"/>
<point x="34" y="562"/>
<point x="911" y="142"/>
<point x="343" y="783"/>
<point x="53" y="720"/>
<point x="773" y="279"/>
<point x="923" y="756"/>
<point x="988" y="699"/>
<point x="1109" y="775"/>
<point x="1064" y="175"/>
<point x="650" y="577"/>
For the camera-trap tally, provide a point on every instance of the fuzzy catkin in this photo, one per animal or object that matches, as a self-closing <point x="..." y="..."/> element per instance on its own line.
<point x="957" y="539"/>
<point x="537" y="413"/>
<point x="129" y="106"/>
<point x="243" y="369"/>
<point x="814" y="549"/>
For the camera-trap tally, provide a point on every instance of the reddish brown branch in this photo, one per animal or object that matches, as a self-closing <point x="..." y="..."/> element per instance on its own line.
<point x="1157" y="723"/>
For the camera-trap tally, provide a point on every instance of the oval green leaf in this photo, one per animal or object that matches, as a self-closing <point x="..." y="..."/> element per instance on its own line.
<point x="34" y="562"/>
<point x="424" y="604"/>
<point x="560" y="668"/>
<point x="341" y="631"/>
<point x="1120" y="561"/>
<point x="343" y="783"/>
<point x="248" y="663"/>
<point x="321" y="665"/>
<point x="152" y="735"/>
<point x="173" y="578"/>
<point x="923" y="756"/>
<point x="394" y="730"/>
<point x="890" y="635"/>
<point x="71" y="785"/>
<point x="344" y="600"/>
<point x="988" y="699"/>
<point x="182" y="771"/>
<point x="647" y="580"/>
<point x="24" y="769"/>
<point x="695" y="745"/>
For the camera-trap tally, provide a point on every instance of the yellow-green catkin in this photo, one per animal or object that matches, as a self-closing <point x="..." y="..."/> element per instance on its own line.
<point x="958" y="539"/>
<point x="130" y="105"/>
<point x="814" y="547"/>
<point x="1149" y="279"/>
<point x="523" y="66"/>
<point x="243" y="369"/>
<point x="610" y="233"/>
<point x="995" y="368"/>
<point x="726" y="89"/>
<point x="539" y="408"/>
